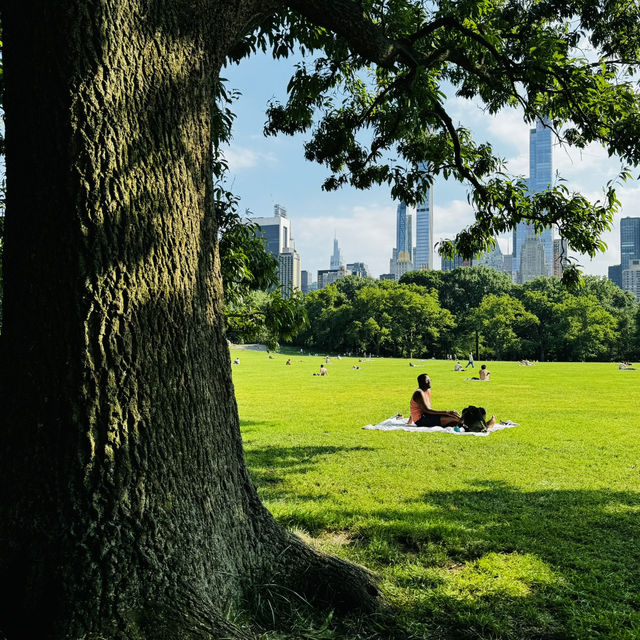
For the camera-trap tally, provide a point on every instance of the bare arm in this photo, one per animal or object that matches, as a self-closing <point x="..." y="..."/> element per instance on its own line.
<point x="421" y="399"/>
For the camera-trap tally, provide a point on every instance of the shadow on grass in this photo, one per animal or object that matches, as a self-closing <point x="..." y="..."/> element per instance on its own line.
<point x="508" y="563"/>
<point x="491" y="561"/>
<point x="269" y="465"/>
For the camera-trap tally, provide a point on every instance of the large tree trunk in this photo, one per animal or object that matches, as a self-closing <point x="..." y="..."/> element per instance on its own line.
<point x="127" y="510"/>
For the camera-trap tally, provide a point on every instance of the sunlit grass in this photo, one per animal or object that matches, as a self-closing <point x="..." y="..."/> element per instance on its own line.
<point x="532" y="532"/>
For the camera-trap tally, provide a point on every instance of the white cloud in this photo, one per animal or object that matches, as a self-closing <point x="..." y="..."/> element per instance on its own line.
<point x="240" y="158"/>
<point x="450" y="219"/>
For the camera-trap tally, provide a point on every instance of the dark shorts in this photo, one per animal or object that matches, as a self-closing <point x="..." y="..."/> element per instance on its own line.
<point x="428" y="420"/>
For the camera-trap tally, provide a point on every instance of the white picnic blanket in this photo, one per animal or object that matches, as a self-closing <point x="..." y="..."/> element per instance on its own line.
<point x="401" y="424"/>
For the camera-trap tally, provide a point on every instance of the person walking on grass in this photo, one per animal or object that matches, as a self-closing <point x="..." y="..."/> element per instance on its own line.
<point x="470" y="361"/>
<point x="422" y="415"/>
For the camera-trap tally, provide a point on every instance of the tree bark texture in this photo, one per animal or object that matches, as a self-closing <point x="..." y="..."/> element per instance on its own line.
<point x="127" y="510"/>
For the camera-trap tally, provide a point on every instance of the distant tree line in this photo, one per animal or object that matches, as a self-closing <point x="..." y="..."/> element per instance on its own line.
<point x="435" y="313"/>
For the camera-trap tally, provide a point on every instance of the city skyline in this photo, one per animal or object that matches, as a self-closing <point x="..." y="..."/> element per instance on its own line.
<point x="265" y="171"/>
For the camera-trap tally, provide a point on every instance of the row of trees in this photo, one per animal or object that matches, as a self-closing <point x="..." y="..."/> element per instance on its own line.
<point x="438" y="313"/>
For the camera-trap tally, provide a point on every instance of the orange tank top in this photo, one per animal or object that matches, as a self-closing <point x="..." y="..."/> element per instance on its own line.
<point x="414" y="409"/>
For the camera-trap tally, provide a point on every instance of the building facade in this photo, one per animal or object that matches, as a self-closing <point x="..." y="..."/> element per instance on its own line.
<point x="533" y="261"/>
<point x="629" y="241"/>
<point x="359" y="269"/>
<point x="329" y="276"/>
<point x="446" y="264"/>
<point x="614" y="273"/>
<point x="631" y="278"/>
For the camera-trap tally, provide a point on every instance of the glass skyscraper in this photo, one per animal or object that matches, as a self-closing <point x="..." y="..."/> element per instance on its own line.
<point x="629" y="241"/>
<point x="540" y="179"/>
<point x="401" y="228"/>
<point x="423" y="258"/>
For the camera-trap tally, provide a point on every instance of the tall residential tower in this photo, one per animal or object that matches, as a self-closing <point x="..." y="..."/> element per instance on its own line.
<point x="423" y="258"/>
<point x="540" y="179"/>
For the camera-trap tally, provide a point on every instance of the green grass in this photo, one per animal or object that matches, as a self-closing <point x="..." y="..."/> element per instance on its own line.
<point x="532" y="532"/>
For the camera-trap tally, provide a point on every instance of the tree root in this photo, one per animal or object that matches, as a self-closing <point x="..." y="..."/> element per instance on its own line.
<point x="301" y="576"/>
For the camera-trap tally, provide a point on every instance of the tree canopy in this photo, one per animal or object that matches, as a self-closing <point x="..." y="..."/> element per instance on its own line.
<point x="540" y="320"/>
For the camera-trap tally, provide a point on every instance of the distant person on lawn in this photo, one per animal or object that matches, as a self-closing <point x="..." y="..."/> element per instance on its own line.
<point x="422" y="415"/>
<point x="470" y="361"/>
<point x="457" y="367"/>
<point x="484" y="372"/>
<point x="323" y="370"/>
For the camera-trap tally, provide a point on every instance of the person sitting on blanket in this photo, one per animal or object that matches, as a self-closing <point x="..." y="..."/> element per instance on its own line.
<point x="484" y="372"/>
<point x="422" y="415"/>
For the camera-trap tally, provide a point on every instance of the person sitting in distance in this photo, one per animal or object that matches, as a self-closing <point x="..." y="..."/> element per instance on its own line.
<point x="484" y="372"/>
<point x="457" y="367"/>
<point x="422" y="415"/>
<point x="323" y="370"/>
<point x="288" y="362"/>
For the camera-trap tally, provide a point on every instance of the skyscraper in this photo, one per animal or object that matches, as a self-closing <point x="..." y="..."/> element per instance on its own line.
<point x="336" y="258"/>
<point x="276" y="232"/>
<point x="289" y="276"/>
<point x="629" y="249"/>
<point x="401" y="260"/>
<point x="401" y="228"/>
<point x="532" y="259"/>
<point x="540" y="178"/>
<point x="423" y="258"/>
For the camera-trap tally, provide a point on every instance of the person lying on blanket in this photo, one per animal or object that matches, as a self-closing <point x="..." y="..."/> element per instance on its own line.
<point x="422" y="415"/>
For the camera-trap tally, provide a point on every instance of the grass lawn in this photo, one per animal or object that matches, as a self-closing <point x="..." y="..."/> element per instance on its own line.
<point x="532" y="532"/>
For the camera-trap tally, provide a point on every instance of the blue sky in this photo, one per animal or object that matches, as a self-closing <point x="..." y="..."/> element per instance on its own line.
<point x="265" y="171"/>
